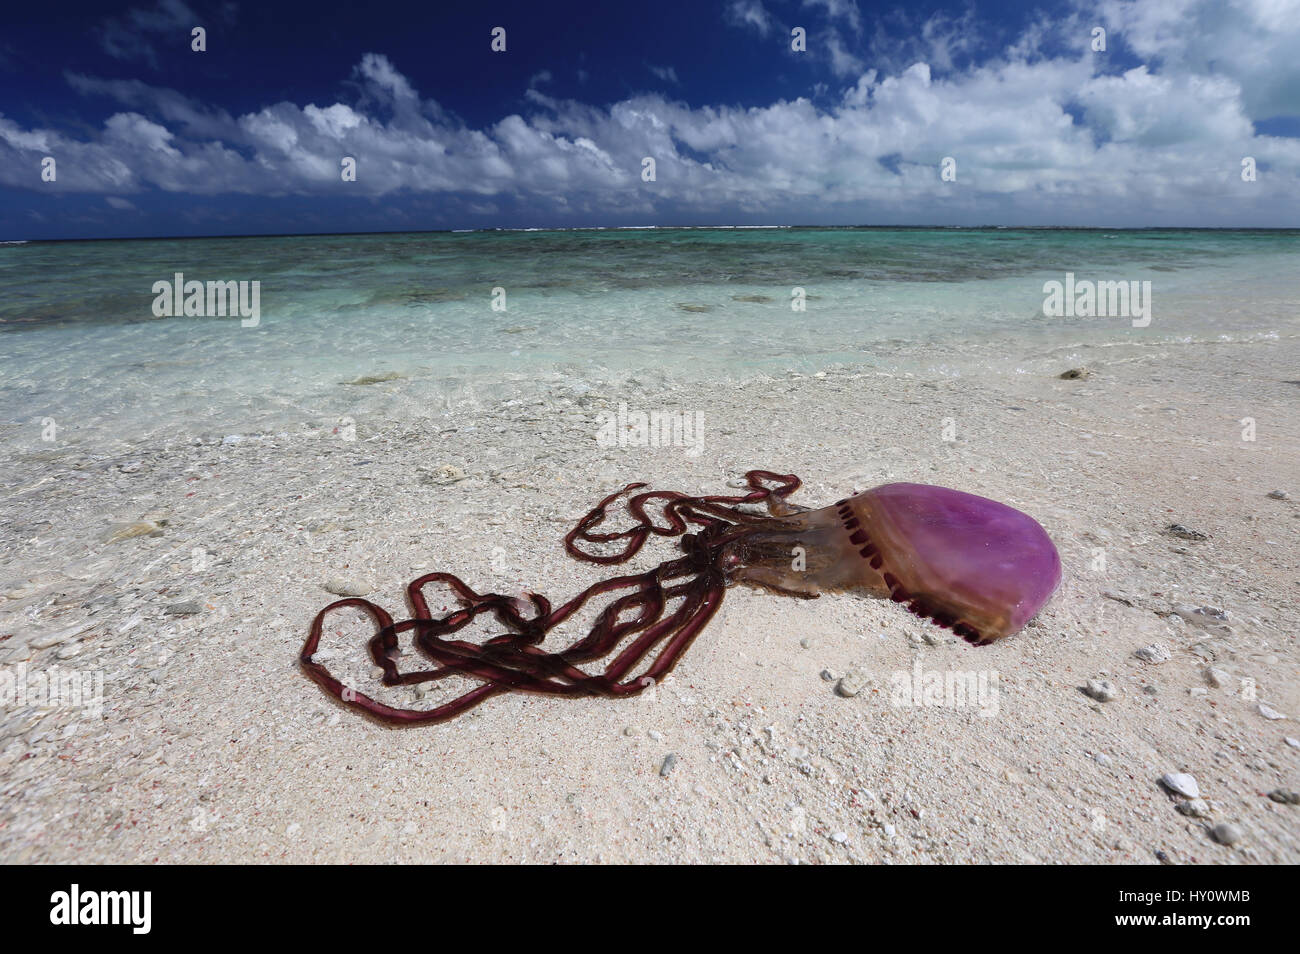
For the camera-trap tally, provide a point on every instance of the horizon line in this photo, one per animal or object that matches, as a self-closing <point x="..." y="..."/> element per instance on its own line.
<point x="666" y="228"/>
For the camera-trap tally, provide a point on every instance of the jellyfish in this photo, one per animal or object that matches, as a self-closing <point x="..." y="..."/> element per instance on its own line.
<point x="966" y="563"/>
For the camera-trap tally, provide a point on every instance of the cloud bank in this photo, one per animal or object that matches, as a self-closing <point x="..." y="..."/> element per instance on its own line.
<point x="1060" y="137"/>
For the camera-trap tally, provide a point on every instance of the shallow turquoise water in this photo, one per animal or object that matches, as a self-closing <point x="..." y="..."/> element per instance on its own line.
<point x="79" y="338"/>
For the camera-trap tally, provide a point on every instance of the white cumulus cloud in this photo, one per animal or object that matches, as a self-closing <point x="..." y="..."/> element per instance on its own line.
<point x="1061" y="138"/>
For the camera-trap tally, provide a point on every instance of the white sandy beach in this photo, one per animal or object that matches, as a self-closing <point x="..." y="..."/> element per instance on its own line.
<point x="213" y="747"/>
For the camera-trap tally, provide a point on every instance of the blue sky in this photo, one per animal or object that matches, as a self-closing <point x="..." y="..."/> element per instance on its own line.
<point x="150" y="137"/>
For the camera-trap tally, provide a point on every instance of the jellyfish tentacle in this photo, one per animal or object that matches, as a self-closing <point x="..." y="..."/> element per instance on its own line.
<point x="705" y="605"/>
<point x="639" y="610"/>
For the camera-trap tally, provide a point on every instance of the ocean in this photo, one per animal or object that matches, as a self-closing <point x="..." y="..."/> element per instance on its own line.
<point x="493" y="315"/>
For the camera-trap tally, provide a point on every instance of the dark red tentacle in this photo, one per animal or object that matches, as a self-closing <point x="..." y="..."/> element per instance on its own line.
<point x="515" y="661"/>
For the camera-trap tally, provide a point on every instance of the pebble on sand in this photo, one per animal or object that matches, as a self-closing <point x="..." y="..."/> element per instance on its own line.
<point x="1181" y="783"/>
<point x="341" y="587"/>
<point x="126" y="531"/>
<point x="1226" y="833"/>
<point x="852" y="684"/>
<point x="1100" y="689"/>
<point x="1279" y="495"/>
<point x="669" y="763"/>
<point x="1206" y="617"/>
<point x="1186" y="533"/>
<point x="1284" y="797"/>
<point x="1075" y="374"/>
<point x="188" y="608"/>
<point x="1194" y="808"/>
<point x="1217" y="677"/>
<point x="1155" y="653"/>
<point x="441" y="475"/>
<point x="1268" y="712"/>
